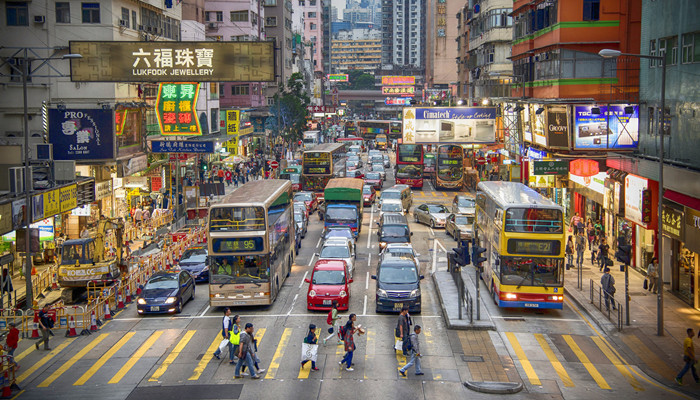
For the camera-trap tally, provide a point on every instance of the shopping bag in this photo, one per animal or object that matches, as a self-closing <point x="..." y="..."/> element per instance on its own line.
<point x="309" y="352"/>
<point x="646" y="284"/>
<point x="398" y="345"/>
<point x="223" y="344"/>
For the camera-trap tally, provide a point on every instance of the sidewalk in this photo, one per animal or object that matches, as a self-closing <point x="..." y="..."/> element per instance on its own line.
<point x="658" y="356"/>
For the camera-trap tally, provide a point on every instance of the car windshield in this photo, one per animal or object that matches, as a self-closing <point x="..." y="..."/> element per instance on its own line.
<point x="342" y="233"/>
<point x="464" y="202"/>
<point x="335" y="252"/>
<point x="303" y="197"/>
<point x="398" y="274"/>
<point x="322" y="277"/>
<point x="463" y="220"/>
<point x="437" y="208"/>
<point x="377" y="168"/>
<point x="394" y="231"/>
<point x="366" y="190"/>
<point x="194" y="256"/>
<point x="373" y="176"/>
<point x="400" y="251"/>
<point x="298" y="217"/>
<point x="300" y="207"/>
<point x="530" y="271"/>
<point x="337" y="215"/>
<point x="391" y="195"/>
<point x="162" y="282"/>
<point x="393" y="207"/>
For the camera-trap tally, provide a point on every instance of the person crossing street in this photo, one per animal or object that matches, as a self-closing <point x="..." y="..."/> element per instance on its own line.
<point x="414" y="350"/>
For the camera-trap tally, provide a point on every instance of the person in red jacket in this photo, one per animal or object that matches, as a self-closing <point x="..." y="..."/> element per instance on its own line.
<point x="11" y="341"/>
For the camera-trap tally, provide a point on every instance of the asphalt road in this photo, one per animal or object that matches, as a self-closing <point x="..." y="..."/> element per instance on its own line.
<point x="555" y="353"/>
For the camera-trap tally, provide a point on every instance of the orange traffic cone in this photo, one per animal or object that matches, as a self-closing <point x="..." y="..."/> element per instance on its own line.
<point x="71" y="328"/>
<point x="35" y="326"/>
<point x="108" y="312"/>
<point x="7" y="388"/>
<point x="138" y="286"/>
<point x="120" y="301"/>
<point x="33" y="270"/>
<point x="128" y="295"/>
<point x="93" y="321"/>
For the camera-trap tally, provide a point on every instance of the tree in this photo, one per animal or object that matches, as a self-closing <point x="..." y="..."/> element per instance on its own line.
<point x="290" y="109"/>
<point x="364" y="81"/>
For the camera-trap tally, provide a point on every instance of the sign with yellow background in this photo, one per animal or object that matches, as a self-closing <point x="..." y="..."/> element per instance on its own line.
<point x="232" y="122"/>
<point x="68" y="197"/>
<point x="52" y="206"/>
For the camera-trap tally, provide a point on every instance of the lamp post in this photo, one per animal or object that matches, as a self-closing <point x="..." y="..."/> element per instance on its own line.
<point x="609" y="53"/>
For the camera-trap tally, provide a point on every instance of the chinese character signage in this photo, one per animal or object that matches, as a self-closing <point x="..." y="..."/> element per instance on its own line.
<point x="321" y="109"/>
<point x="119" y="121"/>
<point x="551" y="167"/>
<point x="557" y="128"/>
<point x="81" y="134"/>
<point x="173" y="61"/>
<point x="176" y="109"/>
<point x="637" y="200"/>
<point x="179" y="146"/>
<point x="68" y="198"/>
<point x="399" y="90"/>
<point x="449" y="125"/>
<point x="338" y="77"/>
<point x="398" y="101"/>
<point x="613" y="128"/>
<point x="398" y="80"/>
<point x="232" y="121"/>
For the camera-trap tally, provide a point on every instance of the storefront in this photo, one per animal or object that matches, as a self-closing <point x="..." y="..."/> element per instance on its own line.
<point x="641" y="226"/>
<point x="589" y="193"/>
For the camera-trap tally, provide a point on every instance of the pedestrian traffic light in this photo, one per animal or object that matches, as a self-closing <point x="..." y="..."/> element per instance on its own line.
<point x="624" y="251"/>
<point x="477" y="258"/>
<point x="462" y="254"/>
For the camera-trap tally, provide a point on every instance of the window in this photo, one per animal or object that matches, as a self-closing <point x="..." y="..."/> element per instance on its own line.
<point x="240" y="90"/>
<point x="134" y="24"/>
<point x="270" y="101"/>
<point x="312" y="27"/>
<point x="221" y="90"/>
<point x="270" y="21"/>
<point x="125" y="15"/>
<point x="302" y="3"/>
<point x="271" y="3"/>
<point x="691" y="47"/>
<point x="652" y="52"/>
<point x="239" y="16"/>
<point x="312" y="14"/>
<point x="591" y="10"/>
<point x="671" y="50"/>
<point x="91" y="13"/>
<point x="240" y="38"/>
<point x="17" y="13"/>
<point x="312" y="3"/>
<point x="217" y="16"/>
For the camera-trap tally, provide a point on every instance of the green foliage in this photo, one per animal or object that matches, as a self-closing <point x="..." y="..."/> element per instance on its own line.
<point x="290" y="106"/>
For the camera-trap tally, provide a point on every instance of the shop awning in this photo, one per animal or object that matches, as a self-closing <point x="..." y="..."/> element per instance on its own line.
<point x="680" y="198"/>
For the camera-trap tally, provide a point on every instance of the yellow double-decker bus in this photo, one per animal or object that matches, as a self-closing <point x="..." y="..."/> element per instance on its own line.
<point x="320" y="164"/>
<point x="523" y="234"/>
<point x="251" y="244"/>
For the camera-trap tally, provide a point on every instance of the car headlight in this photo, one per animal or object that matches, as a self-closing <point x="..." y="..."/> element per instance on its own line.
<point x="170" y="300"/>
<point x="381" y="293"/>
<point x="312" y="293"/>
<point x="440" y="221"/>
<point x="382" y="244"/>
<point x="342" y="293"/>
<point x="141" y="301"/>
<point x="415" y="293"/>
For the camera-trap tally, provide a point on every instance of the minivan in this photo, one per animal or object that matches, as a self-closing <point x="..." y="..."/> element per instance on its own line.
<point x="393" y="228"/>
<point x="403" y="194"/>
<point x="398" y="284"/>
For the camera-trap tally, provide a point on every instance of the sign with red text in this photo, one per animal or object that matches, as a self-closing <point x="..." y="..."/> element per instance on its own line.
<point x="398" y="80"/>
<point x="176" y="109"/>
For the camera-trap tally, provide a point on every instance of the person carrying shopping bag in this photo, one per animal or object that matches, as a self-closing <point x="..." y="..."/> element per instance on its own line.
<point x="309" y="349"/>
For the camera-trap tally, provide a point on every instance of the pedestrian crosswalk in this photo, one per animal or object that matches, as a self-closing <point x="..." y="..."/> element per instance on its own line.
<point x="110" y="358"/>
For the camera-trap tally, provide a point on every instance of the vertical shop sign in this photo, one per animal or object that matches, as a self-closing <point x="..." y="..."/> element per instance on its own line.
<point x="176" y="109"/>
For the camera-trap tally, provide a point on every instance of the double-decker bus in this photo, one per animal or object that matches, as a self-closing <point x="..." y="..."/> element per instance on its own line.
<point x="382" y="141"/>
<point x="352" y="141"/>
<point x="449" y="173"/>
<point x="428" y="165"/>
<point x="523" y="234"/>
<point x="251" y="244"/>
<point x="320" y="164"/>
<point x="409" y="165"/>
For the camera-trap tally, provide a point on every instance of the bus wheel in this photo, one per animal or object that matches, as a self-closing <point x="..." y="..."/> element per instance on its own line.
<point x="495" y="295"/>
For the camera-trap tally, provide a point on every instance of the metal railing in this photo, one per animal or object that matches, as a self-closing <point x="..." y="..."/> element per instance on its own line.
<point x="598" y="299"/>
<point x="465" y="300"/>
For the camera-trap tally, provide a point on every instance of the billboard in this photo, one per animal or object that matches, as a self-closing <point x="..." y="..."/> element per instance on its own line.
<point x="338" y="77"/>
<point x="399" y="90"/>
<point x="398" y="80"/>
<point x="232" y="122"/>
<point x="557" y="127"/>
<point x="179" y="146"/>
<point x="612" y="128"/>
<point x="176" y="109"/>
<point x="449" y="125"/>
<point x="173" y="61"/>
<point x="398" y="101"/>
<point x="81" y="134"/>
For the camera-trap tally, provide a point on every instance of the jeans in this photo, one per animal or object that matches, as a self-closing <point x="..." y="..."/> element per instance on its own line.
<point x="609" y="298"/>
<point x="579" y="259"/>
<point x="347" y="359"/>
<point x="233" y="351"/>
<point x="336" y="330"/>
<point x="689" y="365"/>
<point x="245" y="359"/>
<point x="414" y="360"/>
<point x="570" y="259"/>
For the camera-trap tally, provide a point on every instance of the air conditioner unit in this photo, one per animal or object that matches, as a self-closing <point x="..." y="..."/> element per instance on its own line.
<point x="123" y="22"/>
<point x="16" y="179"/>
<point x="212" y="25"/>
<point x="39" y="19"/>
<point x="64" y="170"/>
<point x="41" y="152"/>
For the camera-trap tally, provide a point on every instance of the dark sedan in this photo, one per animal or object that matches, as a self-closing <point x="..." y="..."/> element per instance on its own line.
<point x="194" y="261"/>
<point x="166" y="292"/>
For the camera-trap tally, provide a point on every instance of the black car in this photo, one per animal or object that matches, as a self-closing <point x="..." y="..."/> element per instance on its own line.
<point x="398" y="284"/>
<point x="166" y="292"/>
<point x="194" y="261"/>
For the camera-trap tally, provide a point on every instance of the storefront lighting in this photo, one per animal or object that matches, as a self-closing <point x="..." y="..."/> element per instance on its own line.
<point x="485" y="102"/>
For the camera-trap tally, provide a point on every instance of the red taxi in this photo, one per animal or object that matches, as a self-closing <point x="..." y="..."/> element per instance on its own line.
<point x="329" y="281"/>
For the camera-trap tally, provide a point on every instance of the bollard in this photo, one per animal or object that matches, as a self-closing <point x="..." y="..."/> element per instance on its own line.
<point x="120" y="301"/>
<point x="108" y="312"/>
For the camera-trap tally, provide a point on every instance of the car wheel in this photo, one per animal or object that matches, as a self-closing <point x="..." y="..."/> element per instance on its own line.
<point x="416" y="218"/>
<point x="432" y="223"/>
<point x="178" y="308"/>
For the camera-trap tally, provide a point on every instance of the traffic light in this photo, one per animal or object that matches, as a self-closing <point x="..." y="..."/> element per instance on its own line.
<point x="477" y="258"/>
<point x="462" y="254"/>
<point x="624" y="251"/>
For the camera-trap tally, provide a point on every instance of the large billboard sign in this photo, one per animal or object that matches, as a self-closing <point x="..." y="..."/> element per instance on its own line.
<point x="176" y="109"/>
<point x="614" y="127"/>
<point x="81" y="134"/>
<point x="449" y="125"/>
<point x="173" y="61"/>
<point x="557" y="127"/>
<point x="399" y="90"/>
<point x="398" y="80"/>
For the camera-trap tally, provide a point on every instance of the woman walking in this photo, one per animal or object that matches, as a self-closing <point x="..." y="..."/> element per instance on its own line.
<point x="570" y="251"/>
<point x="348" y="332"/>
<point x="310" y="339"/>
<point x="334" y="319"/>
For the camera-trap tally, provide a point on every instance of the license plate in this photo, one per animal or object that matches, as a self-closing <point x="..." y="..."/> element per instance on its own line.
<point x="398" y="306"/>
<point x="155" y="308"/>
<point x="327" y="302"/>
<point x="533" y="305"/>
<point x="239" y="303"/>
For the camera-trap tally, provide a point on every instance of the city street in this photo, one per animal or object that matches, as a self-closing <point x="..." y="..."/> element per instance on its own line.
<point x="554" y="353"/>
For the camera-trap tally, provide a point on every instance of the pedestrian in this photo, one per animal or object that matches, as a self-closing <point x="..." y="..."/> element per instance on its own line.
<point x="573" y="224"/>
<point x="333" y="320"/>
<point x="607" y="283"/>
<point x="225" y="332"/>
<point x="85" y="233"/>
<point x="348" y="331"/>
<point x="11" y="342"/>
<point x="580" y="249"/>
<point x="403" y="328"/>
<point x="414" y="349"/>
<point x="45" y="324"/>
<point x="138" y="215"/>
<point x="256" y="360"/>
<point x="235" y="335"/>
<point x="6" y="282"/>
<point x="653" y="274"/>
<point x="235" y="179"/>
<point x="590" y="232"/>
<point x="221" y="175"/>
<point x="245" y="353"/>
<point x="603" y="249"/>
<point x="570" y="251"/>
<point x="688" y="358"/>
<point x="229" y="177"/>
<point x="310" y="339"/>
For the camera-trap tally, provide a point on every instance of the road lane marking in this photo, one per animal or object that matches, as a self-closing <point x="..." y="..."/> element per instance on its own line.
<point x="205" y="311"/>
<point x="303" y="371"/>
<point x="429" y="340"/>
<point x="275" y="363"/>
<point x="369" y="233"/>
<point x="444" y="194"/>
<point x="208" y="356"/>
<point x="68" y="364"/>
<point x="586" y="362"/>
<point x="102" y="360"/>
<point x="318" y="243"/>
<point x="522" y="357"/>
<point x="367" y="281"/>
<point x="25" y="353"/>
<point x="441" y="246"/>
<point x="618" y="364"/>
<point x="293" y="303"/>
<point x="434" y="193"/>
<point x="172" y="356"/>
<point x="369" y="260"/>
<point x="400" y="358"/>
<point x="558" y="367"/>
<point x="432" y="232"/>
<point x="364" y="308"/>
<point x="432" y="272"/>
<point x="538" y="318"/>
<point x="302" y="279"/>
<point x="136" y="357"/>
<point x="369" y="351"/>
<point x="44" y="360"/>
<point x="339" y="352"/>
<point x="311" y="261"/>
<point x="260" y="316"/>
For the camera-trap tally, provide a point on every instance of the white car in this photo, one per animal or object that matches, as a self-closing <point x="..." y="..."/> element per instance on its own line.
<point x="342" y="240"/>
<point x="337" y="250"/>
<point x="401" y="250"/>
<point x="390" y="205"/>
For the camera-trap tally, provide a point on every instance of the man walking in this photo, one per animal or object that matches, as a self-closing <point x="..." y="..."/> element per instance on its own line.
<point x="45" y="324"/>
<point x="414" y="348"/>
<point x="653" y="275"/>
<point x="607" y="282"/>
<point x="580" y="249"/>
<point x="403" y="328"/>
<point x="246" y="353"/>
<point x="225" y="332"/>
<point x="688" y="358"/>
<point x="603" y="252"/>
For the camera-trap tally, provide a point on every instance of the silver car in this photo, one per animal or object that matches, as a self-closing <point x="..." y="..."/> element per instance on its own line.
<point x="464" y="205"/>
<point x="379" y="168"/>
<point x="432" y="214"/>
<point x="393" y="206"/>
<point x="387" y="161"/>
<point x="336" y="249"/>
<point x="460" y="227"/>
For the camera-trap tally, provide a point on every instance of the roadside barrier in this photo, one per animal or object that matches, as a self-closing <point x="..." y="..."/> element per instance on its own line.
<point x="7" y="376"/>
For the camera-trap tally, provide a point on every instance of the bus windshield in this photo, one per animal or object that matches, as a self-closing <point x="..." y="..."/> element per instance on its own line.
<point x="529" y="271"/>
<point x="409" y="153"/>
<point x="237" y="219"/>
<point x="408" y="171"/>
<point x="239" y="269"/>
<point x="340" y="215"/>
<point x="534" y="220"/>
<point x="317" y="163"/>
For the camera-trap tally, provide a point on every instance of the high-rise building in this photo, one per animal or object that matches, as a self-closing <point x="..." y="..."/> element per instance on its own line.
<point x="313" y="30"/>
<point x="278" y="28"/>
<point x="357" y="49"/>
<point x="403" y="34"/>
<point x="440" y="49"/>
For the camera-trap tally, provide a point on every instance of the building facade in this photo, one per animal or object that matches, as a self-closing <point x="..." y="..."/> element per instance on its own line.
<point x="440" y="49"/>
<point x="359" y="49"/>
<point x="313" y="31"/>
<point x="403" y="34"/>
<point x="278" y="28"/>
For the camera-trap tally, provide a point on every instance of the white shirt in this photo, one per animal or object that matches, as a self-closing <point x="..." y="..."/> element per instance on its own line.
<point x="227" y="322"/>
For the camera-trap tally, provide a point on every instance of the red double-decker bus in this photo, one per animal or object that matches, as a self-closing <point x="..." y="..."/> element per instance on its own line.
<point x="409" y="165"/>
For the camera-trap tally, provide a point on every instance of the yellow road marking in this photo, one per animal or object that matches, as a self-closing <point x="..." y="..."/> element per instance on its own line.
<point x="25" y="353"/>
<point x="99" y="363"/>
<point x="44" y="360"/>
<point x="616" y="362"/>
<point x="529" y="371"/>
<point x="400" y="358"/>
<point x="172" y="356"/>
<point x="422" y="193"/>
<point x="444" y="194"/>
<point x="275" y="363"/>
<point x="586" y="363"/>
<point x="434" y="194"/>
<point x="339" y="353"/>
<point x="303" y="371"/>
<point x="561" y="371"/>
<point x="208" y="356"/>
<point x="369" y="350"/>
<point x="66" y="366"/>
<point x="429" y="340"/>
<point x="258" y="334"/>
<point x="136" y="357"/>
<point x="17" y="395"/>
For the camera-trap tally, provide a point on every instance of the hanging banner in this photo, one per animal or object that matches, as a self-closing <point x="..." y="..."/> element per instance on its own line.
<point x="615" y="127"/>
<point x="68" y="197"/>
<point x="449" y="125"/>
<point x="81" y="134"/>
<point x="232" y="122"/>
<point x="176" y="109"/>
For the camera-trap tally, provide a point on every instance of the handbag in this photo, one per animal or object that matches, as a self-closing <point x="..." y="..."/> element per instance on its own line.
<point x="223" y="344"/>
<point x="398" y="345"/>
<point x="646" y="284"/>
<point x="608" y="262"/>
<point x="330" y="330"/>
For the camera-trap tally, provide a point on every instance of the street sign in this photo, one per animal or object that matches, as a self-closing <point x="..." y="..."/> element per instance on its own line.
<point x="481" y="160"/>
<point x="180" y="146"/>
<point x="321" y="109"/>
<point x="551" y="167"/>
<point x="274" y="164"/>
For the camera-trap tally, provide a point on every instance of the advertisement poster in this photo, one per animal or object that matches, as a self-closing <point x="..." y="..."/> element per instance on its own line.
<point x="81" y="134"/>
<point x="526" y="124"/>
<point x="177" y="109"/>
<point x="613" y="128"/>
<point x="538" y="128"/>
<point x="557" y="128"/>
<point x="635" y="193"/>
<point x="232" y="122"/>
<point x="449" y="125"/>
<point x="129" y="140"/>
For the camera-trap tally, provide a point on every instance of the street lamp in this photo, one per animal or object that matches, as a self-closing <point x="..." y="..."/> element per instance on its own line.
<point x="610" y="53"/>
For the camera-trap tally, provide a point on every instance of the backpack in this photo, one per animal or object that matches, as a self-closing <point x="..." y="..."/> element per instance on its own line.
<point x="408" y="344"/>
<point x="329" y="319"/>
